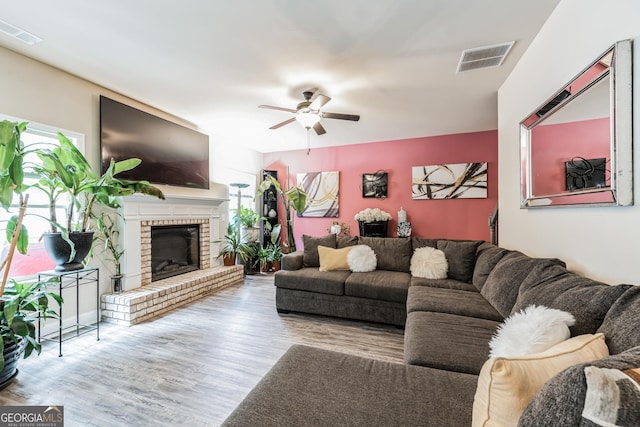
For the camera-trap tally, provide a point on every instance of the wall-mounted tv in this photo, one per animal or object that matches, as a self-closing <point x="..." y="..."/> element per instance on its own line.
<point x="171" y="154"/>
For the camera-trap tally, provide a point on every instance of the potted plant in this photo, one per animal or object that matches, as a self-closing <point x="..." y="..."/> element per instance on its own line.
<point x="248" y="253"/>
<point x="20" y="306"/>
<point x="263" y="254"/>
<point x="275" y="256"/>
<point x="230" y="246"/>
<point x="65" y="170"/>
<point x="248" y="220"/>
<point x="20" y="303"/>
<point x="294" y="198"/>
<point x="108" y="234"/>
<point x="373" y="222"/>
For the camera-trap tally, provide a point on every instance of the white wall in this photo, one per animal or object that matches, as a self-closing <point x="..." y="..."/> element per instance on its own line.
<point x="36" y="92"/>
<point x="602" y="242"/>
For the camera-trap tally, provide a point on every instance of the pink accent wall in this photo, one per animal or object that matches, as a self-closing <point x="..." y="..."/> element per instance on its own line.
<point x="453" y="219"/>
<point x="588" y="139"/>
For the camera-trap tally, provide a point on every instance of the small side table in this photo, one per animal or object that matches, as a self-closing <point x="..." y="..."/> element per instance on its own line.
<point x="68" y="280"/>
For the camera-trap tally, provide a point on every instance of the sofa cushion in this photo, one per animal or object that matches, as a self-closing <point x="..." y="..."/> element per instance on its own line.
<point x="461" y="257"/>
<point x="333" y="259"/>
<point x="429" y="263"/>
<point x="447" y="341"/>
<point x="313" y="280"/>
<point x="314" y="387"/>
<point x="379" y="284"/>
<point x="561" y="400"/>
<point x="502" y="285"/>
<point x="507" y="385"/>
<point x="452" y="301"/>
<point x="292" y="261"/>
<point x="421" y="242"/>
<point x="553" y="286"/>
<point x="393" y="254"/>
<point x="443" y="283"/>
<point x="487" y="257"/>
<point x="344" y="241"/>
<point x="621" y="325"/>
<point x="310" y="257"/>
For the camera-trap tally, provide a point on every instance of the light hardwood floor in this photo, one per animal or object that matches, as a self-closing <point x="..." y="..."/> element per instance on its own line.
<point x="189" y="367"/>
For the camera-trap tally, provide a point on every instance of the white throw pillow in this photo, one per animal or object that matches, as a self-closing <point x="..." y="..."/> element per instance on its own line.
<point x="529" y="331"/>
<point x="362" y="259"/>
<point x="429" y="263"/>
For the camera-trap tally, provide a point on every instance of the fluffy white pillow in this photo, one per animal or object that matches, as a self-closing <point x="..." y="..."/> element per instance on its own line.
<point x="429" y="263"/>
<point x="362" y="259"/>
<point x="532" y="330"/>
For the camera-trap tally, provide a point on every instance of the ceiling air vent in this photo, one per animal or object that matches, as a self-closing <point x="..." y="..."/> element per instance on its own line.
<point x="18" y="33"/>
<point x="483" y="57"/>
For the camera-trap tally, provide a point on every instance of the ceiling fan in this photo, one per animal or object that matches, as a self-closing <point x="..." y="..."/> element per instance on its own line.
<point x="308" y="113"/>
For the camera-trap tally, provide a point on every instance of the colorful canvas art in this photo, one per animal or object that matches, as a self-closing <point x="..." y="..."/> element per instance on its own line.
<point x="453" y="181"/>
<point x="322" y="193"/>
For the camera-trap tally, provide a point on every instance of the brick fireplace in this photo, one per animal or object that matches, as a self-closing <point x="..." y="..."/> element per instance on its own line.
<point x="144" y="299"/>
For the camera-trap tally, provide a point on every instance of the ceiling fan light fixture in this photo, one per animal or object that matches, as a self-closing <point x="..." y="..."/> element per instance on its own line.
<point x="307" y="118"/>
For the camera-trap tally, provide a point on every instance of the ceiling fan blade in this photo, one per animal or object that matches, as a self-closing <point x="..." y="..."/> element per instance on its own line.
<point x="271" y="107"/>
<point x="339" y="116"/>
<point x="286" y="122"/>
<point x="319" y="101"/>
<point x="319" y="129"/>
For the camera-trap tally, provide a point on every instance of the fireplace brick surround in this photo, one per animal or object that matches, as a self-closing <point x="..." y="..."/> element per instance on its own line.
<point x="144" y="299"/>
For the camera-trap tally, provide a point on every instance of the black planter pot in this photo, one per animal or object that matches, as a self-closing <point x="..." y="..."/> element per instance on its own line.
<point x="11" y="354"/>
<point x="59" y="250"/>
<point x="373" y="229"/>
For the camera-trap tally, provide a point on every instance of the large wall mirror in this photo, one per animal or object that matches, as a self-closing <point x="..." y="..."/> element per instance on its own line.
<point x="576" y="148"/>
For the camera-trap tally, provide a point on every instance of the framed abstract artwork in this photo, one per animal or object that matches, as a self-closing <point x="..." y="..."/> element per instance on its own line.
<point x="452" y="181"/>
<point x="375" y="185"/>
<point x="322" y="194"/>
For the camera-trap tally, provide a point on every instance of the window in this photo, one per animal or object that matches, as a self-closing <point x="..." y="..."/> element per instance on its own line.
<point x="36" y="259"/>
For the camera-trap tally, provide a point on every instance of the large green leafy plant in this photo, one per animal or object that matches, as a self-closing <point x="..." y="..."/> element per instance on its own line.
<point x="294" y="198"/>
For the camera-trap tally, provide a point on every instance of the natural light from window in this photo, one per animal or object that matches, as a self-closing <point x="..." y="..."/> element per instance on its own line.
<point x="36" y="259"/>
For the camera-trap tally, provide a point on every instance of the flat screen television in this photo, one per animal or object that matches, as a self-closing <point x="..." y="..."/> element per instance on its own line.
<point x="171" y="154"/>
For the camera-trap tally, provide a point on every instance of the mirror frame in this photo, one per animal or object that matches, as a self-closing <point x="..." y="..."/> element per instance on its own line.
<point x="621" y="143"/>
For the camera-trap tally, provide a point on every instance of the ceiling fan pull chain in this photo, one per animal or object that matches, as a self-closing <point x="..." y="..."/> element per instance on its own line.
<point x="308" y="141"/>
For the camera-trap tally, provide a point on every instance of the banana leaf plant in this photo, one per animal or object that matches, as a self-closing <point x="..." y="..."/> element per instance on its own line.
<point x="294" y="198"/>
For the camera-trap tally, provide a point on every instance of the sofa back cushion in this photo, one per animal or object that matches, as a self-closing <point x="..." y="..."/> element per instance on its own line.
<point x="502" y="284"/>
<point x="461" y="257"/>
<point x="345" y="241"/>
<point x="487" y="257"/>
<point x="421" y="242"/>
<point x="555" y="287"/>
<point x="310" y="257"/>
<point x="393" y="254"/>
<point x="621" y="325"/>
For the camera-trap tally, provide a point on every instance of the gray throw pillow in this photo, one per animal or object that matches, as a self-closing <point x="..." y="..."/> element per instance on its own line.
<point x="393" y="254"/>
<point x="310" y="257"/>
<point x="421" y="242"/>
<point x="487" y="257"/>
<point x="621" y="326"/>
<point x="461" y="257"/>
<point x="555" y="287"/>
<point x="561" y="401"/>
<point x="343" y="242"/>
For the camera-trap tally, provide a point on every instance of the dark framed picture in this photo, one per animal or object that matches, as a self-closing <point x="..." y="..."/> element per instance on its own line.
<point x="374" y="185"/>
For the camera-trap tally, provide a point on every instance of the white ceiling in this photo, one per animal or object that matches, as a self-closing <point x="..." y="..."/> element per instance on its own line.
<point x="212" y="62"/>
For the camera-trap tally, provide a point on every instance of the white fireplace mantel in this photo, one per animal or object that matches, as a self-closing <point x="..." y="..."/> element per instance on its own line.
<point x="137" y="208"/>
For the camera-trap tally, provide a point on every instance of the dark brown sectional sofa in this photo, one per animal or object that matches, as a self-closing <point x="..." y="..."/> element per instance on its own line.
<point x="448" y="324"/>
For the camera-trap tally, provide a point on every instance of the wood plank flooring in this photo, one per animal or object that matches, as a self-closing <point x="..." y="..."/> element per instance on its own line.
<point x="190" y="367"/>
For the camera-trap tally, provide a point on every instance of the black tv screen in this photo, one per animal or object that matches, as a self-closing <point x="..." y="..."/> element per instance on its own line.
<point x="171" y="154"/>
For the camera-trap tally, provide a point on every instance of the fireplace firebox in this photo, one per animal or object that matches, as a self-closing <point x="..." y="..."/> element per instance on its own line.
<point x="175" y="249"/>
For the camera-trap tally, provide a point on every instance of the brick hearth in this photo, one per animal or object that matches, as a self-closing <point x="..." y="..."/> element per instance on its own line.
<point x="143" y="303"/>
